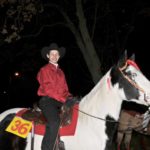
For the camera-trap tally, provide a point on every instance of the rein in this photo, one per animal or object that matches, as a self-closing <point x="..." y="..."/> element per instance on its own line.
<point x="130" y="81"/>
<point x="106" y="120"/>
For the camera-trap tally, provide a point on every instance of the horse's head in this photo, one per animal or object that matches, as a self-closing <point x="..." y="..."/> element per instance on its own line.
<point x="131" y="82"/>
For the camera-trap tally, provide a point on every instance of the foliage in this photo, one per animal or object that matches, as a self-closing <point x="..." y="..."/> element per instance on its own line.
<point x="101" y="30"/>
<point x="16" y="14"/>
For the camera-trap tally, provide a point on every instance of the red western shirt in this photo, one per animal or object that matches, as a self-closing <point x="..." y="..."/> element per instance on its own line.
<point x="52" y="83"/>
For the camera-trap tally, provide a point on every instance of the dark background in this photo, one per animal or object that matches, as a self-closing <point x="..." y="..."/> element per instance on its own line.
<point x="20" y="91"/>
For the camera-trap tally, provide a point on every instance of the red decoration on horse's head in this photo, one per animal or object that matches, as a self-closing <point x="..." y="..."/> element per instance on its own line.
<point x="131" y="62"/>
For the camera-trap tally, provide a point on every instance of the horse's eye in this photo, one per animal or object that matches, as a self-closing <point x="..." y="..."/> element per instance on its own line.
<point x="133" y="76"/>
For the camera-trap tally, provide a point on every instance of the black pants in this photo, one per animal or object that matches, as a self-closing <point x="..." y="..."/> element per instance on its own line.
<point x="51" y="110"/>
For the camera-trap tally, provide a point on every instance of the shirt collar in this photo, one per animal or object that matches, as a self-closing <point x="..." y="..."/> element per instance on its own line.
<point x="56" y="65"/>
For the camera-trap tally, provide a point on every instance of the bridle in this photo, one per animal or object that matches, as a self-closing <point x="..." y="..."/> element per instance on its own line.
<point x="130" y="62"/>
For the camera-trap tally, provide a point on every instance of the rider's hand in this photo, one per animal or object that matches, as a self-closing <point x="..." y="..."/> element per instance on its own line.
<point x="71" y="101"/>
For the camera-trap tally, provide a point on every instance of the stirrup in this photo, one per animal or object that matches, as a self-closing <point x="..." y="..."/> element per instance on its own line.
<point x="61" y="145"/>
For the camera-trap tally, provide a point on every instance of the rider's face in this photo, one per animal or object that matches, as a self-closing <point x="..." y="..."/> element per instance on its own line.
<point x="53" y="56"/>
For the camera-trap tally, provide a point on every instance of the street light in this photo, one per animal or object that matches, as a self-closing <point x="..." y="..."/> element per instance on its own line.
<point x="12" y="78"/>
<point x="17" y="74"/>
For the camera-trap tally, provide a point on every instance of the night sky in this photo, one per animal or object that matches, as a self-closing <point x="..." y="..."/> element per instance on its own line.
<point x="20" y="91"/>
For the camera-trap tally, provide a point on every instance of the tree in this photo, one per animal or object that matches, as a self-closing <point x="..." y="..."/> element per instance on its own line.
<point x="86" y="19"/>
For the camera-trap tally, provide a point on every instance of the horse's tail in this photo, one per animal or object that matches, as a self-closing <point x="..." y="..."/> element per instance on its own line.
<point x="9" y="141"/>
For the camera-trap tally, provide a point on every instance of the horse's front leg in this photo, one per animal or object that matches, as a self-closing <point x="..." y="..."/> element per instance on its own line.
<point x="119" y="139"/>
<point x="127" y="139"/>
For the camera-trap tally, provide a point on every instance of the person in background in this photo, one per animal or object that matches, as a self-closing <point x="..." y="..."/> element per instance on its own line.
<point x="54" y="92"/>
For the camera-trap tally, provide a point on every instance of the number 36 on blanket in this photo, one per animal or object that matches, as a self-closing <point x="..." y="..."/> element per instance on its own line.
<point x="20" y="127"/>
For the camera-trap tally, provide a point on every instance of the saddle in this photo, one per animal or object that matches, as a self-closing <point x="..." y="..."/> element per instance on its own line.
<point x="34" y="114"/>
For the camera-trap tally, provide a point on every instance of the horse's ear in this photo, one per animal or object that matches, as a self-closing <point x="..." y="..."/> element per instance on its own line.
<point x="123" y="59"/>
<point x="132" y="57"/>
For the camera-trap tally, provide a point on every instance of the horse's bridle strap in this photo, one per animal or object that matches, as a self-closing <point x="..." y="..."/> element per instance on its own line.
<point x="127" y="78"/>
<point x="133" y="83"/>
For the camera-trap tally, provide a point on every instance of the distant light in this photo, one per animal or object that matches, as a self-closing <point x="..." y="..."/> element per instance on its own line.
<point x="4" y="92"/>
<point x="16" y="74"/>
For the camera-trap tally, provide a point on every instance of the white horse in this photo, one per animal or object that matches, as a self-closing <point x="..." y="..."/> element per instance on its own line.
<point x="99" y="110"/>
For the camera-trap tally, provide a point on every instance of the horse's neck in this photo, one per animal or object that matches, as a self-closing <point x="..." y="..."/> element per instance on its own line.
<point x="102" y="100"/>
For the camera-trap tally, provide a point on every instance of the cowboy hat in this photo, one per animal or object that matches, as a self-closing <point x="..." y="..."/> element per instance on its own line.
<point x="53" y="46"/>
